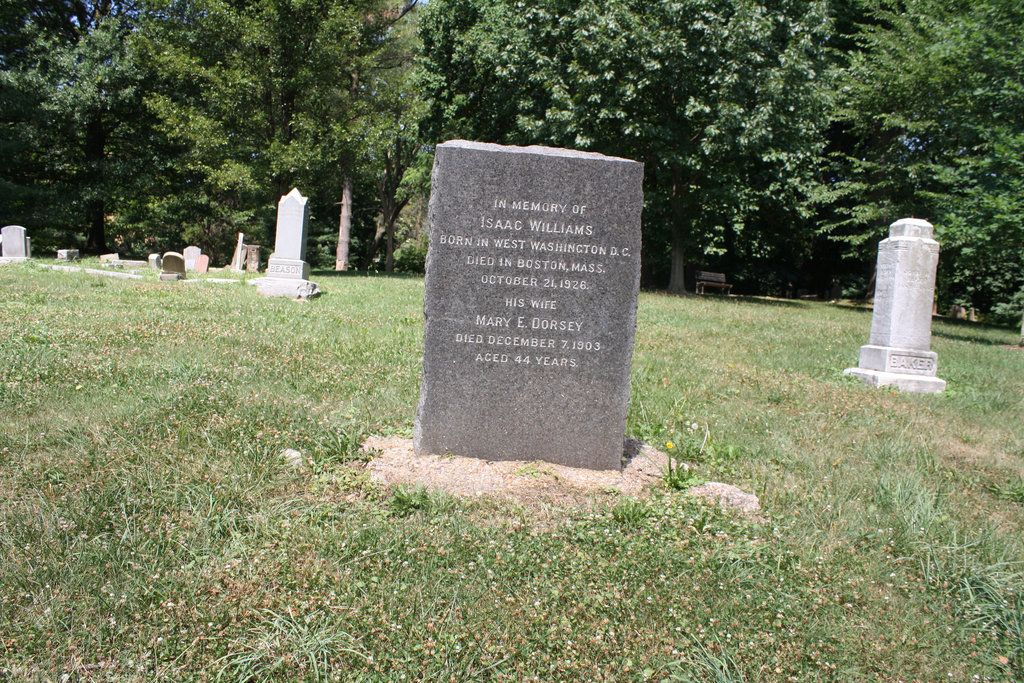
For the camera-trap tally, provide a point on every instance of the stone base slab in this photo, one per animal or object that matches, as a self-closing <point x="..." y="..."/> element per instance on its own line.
<point x="13" y="259"/>
<point x="912" y="384"/>
<point x="171" y="277"/>
<point x="287" y="287"/>
<point x="899" y="361"/>
<point x="280" y="268"/>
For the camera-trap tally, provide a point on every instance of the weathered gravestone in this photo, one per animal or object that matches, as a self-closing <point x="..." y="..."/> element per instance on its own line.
<point x="236" y="259"/>
<point x="287" y="271"/>
<point x="154" y="261"/>
<point x="172" y="266"/>
<point x="67" y="254"/>
<point x="107" y="258"/>
<point x="897" y="352"/>
<point x="15" y="243"/>
<point x="252" y="258"/>
<point x="203" y="264"/>
<point x="191" y="255"/>
<point x="530" y="306"/>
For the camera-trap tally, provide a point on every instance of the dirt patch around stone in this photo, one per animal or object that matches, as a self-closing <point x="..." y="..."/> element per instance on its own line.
<point x="393" y="462"/>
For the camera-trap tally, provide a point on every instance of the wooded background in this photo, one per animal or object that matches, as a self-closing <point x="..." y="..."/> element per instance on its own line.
<point x="780" y="137"/>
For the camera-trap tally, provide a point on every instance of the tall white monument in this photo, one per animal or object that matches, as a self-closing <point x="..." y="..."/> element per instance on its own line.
<point x="898" y="350"/>
<point x="287" y="270"/>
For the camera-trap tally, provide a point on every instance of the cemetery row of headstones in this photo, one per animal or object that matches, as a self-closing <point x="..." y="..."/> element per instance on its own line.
<point x="531" y="298"/>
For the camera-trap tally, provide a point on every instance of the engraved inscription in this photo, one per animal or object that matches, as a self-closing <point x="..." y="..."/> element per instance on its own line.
<point x="522" y="244"/>
<point x="911" y="364"/>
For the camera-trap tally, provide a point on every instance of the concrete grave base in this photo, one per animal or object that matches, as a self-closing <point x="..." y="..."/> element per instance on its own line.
<point x="287" y="268"/>
<point x="171" y="277"/>
<point x="293" y="289"/>
<point x="912" y="384"/>
<point x="13" y="259"/>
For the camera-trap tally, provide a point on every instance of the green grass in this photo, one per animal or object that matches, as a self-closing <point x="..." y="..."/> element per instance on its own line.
<point x="151" y="530"/>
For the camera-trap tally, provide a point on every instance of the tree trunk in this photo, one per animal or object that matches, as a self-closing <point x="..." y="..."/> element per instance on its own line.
<point x="677" y="276"/>
<point x="344" y="224"/>
<point x="95" y="209"/>
<point x="676" y="280"/>
<point x="1021" y="342"/>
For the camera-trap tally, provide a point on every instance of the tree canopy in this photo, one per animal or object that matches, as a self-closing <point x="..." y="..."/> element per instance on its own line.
<point x="780" y="137"/>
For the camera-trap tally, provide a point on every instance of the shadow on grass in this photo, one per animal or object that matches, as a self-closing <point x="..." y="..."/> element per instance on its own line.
<point x="967" y="331"/>
<point x="331" y="273"/>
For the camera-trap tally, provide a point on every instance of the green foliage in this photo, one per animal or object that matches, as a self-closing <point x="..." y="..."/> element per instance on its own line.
<point x="721" y="100"/>
<point x="932" y="106"/>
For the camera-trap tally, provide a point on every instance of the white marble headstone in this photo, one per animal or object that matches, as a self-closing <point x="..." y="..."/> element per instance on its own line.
<point x="288" y="259"/>
<point x="15" y="243"/>
<point x="191" y="255"/>
<point x="898" y="349"/>
<point x="287" y="270"/>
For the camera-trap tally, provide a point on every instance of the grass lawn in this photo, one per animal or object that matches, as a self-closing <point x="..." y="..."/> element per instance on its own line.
<point x="151" y="530"/>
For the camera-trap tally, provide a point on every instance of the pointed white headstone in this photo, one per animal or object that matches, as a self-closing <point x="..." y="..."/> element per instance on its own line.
<point x="287" y="270"/>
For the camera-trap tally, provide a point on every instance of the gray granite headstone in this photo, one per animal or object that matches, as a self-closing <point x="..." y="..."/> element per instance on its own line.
<point x="172" y="266"/>
<point x="154" y="261"/>
<point x="530" y="305"/>
<point x="898" y="349"/>
<point x="67" y="254"/>
<point x="15" y="243"/>
<point x="191" y="255"/>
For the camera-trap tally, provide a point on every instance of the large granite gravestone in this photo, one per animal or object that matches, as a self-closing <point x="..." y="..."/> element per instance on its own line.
<point x="191" y="255"/>
<point x="287" y="271"/>
<point x="898" y="349"/>
<point x="172" y="266"/>
<point x="15" y="243"/>
<point x="531" y="292"/>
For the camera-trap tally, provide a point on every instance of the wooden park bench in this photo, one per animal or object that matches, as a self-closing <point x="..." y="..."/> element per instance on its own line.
<point x="716" y="280"/>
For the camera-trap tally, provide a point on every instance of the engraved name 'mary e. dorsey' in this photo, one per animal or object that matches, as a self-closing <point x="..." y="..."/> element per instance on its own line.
<point x="530" y="304"/>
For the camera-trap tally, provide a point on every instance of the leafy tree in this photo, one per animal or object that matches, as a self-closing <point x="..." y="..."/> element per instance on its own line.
<point x="260" y="97"/>
<point x="75" y="136"/>
<point x="720" y="98"/>
<point x="935" y="107"/>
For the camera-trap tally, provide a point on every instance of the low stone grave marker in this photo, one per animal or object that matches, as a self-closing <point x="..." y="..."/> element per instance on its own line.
<point x="172" y="266"/>
<point x="154" y="261"/>
<point x="532" y="278"/>
<point x="898" y="349"/>
<point x="67" y="254"/>
<point x="106" y="258"/>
